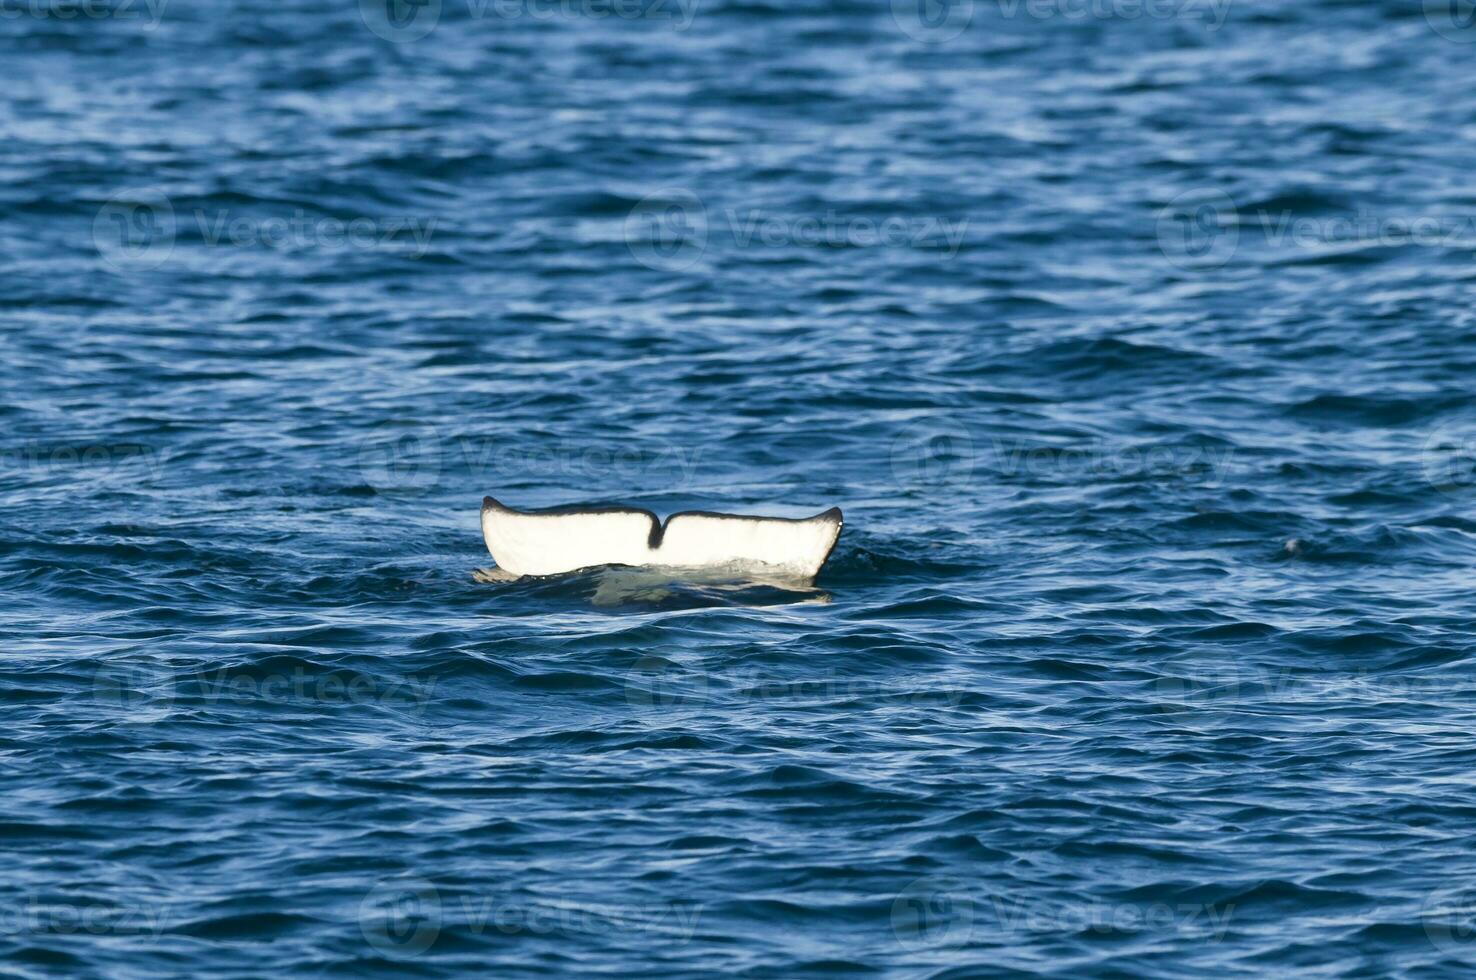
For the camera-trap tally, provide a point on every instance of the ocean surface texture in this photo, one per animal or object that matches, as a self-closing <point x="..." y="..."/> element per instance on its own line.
<point x="1134" y="337"/>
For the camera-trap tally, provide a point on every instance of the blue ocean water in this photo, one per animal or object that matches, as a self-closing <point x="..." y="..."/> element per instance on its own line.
<point x="1134" y="338"/>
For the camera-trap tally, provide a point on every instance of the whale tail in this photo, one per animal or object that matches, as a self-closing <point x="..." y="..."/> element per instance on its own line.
<point x="566" y="539"/>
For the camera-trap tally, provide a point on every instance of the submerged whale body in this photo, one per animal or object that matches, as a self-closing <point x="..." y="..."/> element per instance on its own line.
<point x="566" y="539"/>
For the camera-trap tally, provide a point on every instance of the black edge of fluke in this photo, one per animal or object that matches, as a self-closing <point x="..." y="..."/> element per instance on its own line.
<point x="840" y="522"/>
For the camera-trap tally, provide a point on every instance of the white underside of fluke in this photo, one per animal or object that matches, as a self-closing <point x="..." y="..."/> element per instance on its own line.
<point x="566" y="539"/>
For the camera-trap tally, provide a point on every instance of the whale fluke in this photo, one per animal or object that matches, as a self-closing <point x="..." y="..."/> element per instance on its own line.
<point x="566" y="539"/>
